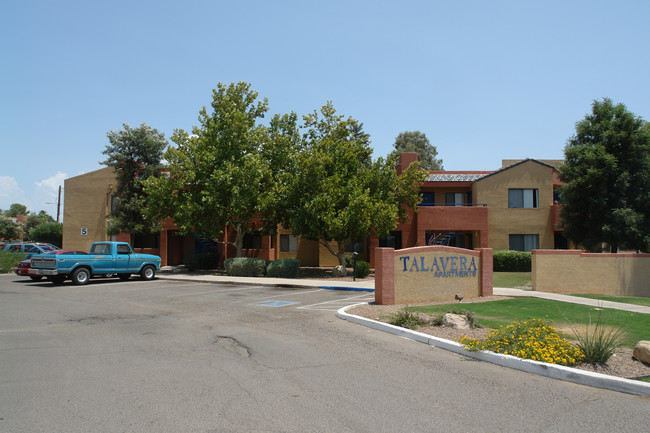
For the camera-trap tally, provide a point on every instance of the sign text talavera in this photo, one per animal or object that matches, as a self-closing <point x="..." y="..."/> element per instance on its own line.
<point x="428" y="274"/>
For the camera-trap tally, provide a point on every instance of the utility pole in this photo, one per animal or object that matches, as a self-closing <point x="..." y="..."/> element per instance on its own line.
<point x="58" y="206"/>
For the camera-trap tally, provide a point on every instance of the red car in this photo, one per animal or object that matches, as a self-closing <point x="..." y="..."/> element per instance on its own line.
<point x="23" y="267"/>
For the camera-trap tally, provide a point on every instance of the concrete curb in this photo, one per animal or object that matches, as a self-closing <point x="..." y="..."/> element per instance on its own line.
<point x="351" y="289"/>
<point x="596" y="380"/>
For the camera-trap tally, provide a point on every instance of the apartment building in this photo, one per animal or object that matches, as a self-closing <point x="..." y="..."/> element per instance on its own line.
<point x="514" y="207"/>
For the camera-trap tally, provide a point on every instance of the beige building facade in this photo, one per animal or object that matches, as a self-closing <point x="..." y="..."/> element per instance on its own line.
<point x="510" y="208"/>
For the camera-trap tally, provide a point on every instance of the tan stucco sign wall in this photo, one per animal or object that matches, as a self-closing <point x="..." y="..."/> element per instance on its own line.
<point x="573" y="271"/>
<point x="428" y="274"/>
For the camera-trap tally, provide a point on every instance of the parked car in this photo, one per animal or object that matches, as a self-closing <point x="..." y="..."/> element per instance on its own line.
<point x="24" y="267"/>
<point x="29" y="248"/>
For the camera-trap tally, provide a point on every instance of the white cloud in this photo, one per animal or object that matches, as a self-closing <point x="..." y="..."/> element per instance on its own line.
<point x="10" y="192"/>
<point x="51" y="184"/>
<point x="46" y="193"/>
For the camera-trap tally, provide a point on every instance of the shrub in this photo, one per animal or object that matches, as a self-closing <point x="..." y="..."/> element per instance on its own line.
<point x="283" y="268"/>
<point x="208" y="260"/>
<point x="532" y="339"/>
<point x="8" y="261"/>
<point x="598" y="342"/>
<point x="407" y="319"/>
<point x="363" y="269"/>
<point x="512" y="261"/>
<point x="245" y="267"/>
<point x="349" y="260"/>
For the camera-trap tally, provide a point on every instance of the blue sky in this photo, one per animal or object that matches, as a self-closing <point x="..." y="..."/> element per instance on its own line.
<point x="484" y="81"/>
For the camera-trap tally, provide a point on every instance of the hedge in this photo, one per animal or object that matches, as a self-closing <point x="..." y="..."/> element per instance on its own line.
<point x="363" y="269"/>
<point x="245" y="267"/>
<point x="512" y="261"/>
<point x="209" y="260"/>
<point x="283" y="268"/>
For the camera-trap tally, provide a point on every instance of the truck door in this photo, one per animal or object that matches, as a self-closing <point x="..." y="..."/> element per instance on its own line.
<point x="123" y="258"/>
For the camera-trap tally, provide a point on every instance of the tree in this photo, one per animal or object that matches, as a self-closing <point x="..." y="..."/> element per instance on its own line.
<point x="338" y="193"/>
<point x="34" y="220"/>
<point x="416" y="141"/>
<point x="8" y="229"/>
<point x="220" y="173"/>
<point x="15" y="210"/>
<point x="606" y="192"/>
<point x="49" y="232"/>
<point x="135" y="155"/>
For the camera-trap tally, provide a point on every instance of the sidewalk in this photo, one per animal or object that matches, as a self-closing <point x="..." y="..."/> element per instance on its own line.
<point x="368" y="285"/>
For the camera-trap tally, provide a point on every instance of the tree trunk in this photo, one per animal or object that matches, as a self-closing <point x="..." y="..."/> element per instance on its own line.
<point x="340" y="255"/>
<point x="239" y="241"/>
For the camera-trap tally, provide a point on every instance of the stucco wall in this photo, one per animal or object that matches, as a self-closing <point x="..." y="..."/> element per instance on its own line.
<point x="574" y="271"/>
<point x="86" y="204"/>
<point x="504" y="221"/>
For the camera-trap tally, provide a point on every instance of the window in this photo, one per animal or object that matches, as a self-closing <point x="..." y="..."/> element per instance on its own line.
<point x="146" y="241"/>
<point x="428" y="198"/>
<point x="31" y="249"/>
<point x="252" y="242"/>
<point x="354" y="246"/>
<point x="523" y="198"/>
<point x="100" y="249"/>
<point x="288" y="243"/>
<point x="123" y="249"/>
<point x="393" y="240"/>
<point x="524" y="242"/>
<point x="454" y="199"/>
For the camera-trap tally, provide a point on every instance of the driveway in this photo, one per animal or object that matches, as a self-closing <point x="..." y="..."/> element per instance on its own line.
<point x="170" y="356"/>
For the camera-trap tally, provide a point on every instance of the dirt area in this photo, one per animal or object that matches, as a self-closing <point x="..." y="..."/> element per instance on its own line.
<point x="622" y="364"/>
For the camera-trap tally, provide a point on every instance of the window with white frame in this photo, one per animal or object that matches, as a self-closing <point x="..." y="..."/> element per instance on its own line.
<point x="523" y="198"/>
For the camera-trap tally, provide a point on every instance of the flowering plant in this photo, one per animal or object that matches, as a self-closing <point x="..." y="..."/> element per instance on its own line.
<point x="532" y="339"/>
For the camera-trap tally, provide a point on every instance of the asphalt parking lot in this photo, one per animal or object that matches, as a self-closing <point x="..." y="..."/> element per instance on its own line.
<point x="169" y="356"/>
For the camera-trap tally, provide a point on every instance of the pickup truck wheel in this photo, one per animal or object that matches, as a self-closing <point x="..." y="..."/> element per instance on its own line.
<point x="124" y="277"/>
<point x="148" y="273"/>
<point x="81" y="276"/>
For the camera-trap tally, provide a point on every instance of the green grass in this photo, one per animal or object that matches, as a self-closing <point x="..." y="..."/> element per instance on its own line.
<point x="511" y="279"/>
<point x="645" y="379"/>
<point x="625" y="299"/>
<point x="636" y="326"/>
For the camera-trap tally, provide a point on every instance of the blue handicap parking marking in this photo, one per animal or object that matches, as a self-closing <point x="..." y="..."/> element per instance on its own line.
<point x="275" y="303"/>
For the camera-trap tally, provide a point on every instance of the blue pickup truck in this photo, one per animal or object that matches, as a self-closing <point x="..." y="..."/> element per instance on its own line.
<point x="103" y="258"/>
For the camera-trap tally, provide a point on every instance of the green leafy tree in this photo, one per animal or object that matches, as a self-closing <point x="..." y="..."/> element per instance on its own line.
<point x="220" y="174"/>
<point x="49" y="232"/>
<point x="35" y="220"/>
<point x="15" y="210"/>
<point x="416" y="141"/>
<point x="135" y="155"/>
<point x="338" y="193"/>
<point x="8" y="229"/>
<point x="606" y="192"/>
